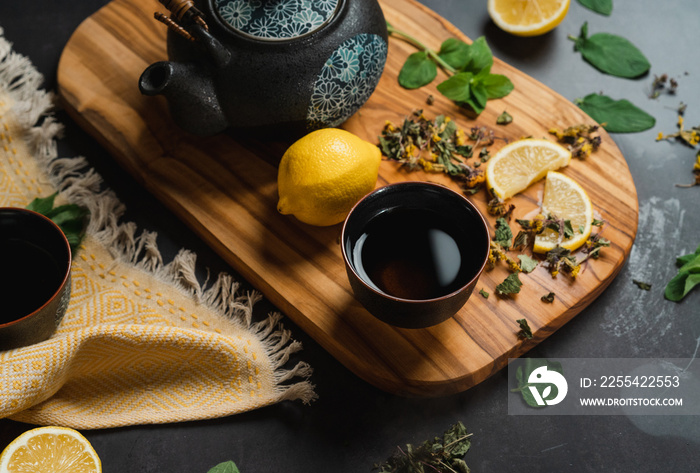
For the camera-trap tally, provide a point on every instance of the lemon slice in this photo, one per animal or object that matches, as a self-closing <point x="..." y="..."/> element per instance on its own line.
<point x="521" y="163"/>
<point x="527" y="17"/>
<point x="564" y="199"/>
<point x="50" y="450"/>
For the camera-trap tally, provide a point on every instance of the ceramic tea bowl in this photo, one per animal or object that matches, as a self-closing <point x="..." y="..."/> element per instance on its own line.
<point x="413" y="252"/>
<point x="34" y="277"/>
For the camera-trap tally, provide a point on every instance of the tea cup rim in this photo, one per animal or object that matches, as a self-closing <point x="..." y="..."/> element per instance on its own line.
<point x="65" y="276"/>
<point x="426" y="184"/>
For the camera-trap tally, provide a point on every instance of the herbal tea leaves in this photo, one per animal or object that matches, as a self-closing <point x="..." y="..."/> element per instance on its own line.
<point x="226" y="467"/>
<point x="527" y="264"/>
<point x="616" y="116"/>
<point x="504" y="234"/>
<point x="70" y="218"/>
<point x="611" y="54"/>
<point x="525" y="330"/>
<point x="440" y="455"/>
<point x="511" y="285"/>
<point x="687" y="278"/>
<point x="604" y="7"/>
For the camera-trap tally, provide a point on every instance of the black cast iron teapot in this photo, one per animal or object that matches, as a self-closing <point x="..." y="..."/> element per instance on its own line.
<point x="299" y="64"/>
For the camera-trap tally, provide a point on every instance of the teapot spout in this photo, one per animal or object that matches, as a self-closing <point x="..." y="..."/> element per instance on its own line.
<point x="190" y="94"/>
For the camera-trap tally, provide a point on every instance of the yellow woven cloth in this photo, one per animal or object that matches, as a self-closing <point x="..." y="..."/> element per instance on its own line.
<point x="142" y="341"/>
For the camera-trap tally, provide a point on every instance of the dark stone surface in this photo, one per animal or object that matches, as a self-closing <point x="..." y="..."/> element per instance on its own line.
<point x="353" y="425"/>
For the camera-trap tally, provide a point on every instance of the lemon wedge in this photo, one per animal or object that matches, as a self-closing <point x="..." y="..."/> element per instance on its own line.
<point x="527" y="17"/>
<point x="565" y="199"/>
<point x="521" y="163"/>
<point x="50" y="449"/>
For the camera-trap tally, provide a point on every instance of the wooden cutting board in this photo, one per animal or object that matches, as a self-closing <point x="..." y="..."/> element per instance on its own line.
<point x="225" y="189"/>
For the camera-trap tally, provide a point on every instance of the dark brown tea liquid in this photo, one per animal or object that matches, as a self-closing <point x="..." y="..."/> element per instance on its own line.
<point x="416" y="254"/>
<point x="29" y="276"/>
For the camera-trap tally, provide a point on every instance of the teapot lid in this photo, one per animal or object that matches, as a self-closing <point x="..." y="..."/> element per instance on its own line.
<point x="276" y="20"/>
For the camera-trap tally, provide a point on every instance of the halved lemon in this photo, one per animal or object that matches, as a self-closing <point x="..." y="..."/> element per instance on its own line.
<point x="527" y="17"/>
<point x="521" y="163"/>
<point x="50" y="450"/>
<point x="564" y="199"/>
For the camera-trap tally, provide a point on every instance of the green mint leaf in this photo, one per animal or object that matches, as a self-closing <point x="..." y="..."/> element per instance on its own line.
<point x="479" y="95"/>
<point x="504" y="234"/>
<point x="549" y="298"/>
<point x="525" y="331"/>
<point x="480" y="57"/>
<point x="417" y="71"/>
<point x="454" y="52"/>
<point x="612" y="54"/>
<point x="497" y="86"/>
<point x="687" y="278"/>
<point x="681" y="260"/>
<point x="511" y="285"/>
<point x="42" y="205"/>
<point x="616" y="116"/>
<point x="70" y="218"/>
<point x="527" y="264"/>
<point x="473" y="104"/>
<point x="226" y="467"/>
<point x="604" y="7"/>
<point x="484" y="294"/>
<point x="457" y="87"/>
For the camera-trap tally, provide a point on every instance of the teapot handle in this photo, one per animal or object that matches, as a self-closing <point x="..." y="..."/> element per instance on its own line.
<point x="217" y="52"/>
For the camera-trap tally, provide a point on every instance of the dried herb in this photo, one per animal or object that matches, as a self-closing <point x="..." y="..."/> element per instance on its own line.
<point x="527" y="264"/>
<point x="658" y="86"/>
<point x="579" y="139"/>
<point x="690" y="137"/>
<point x="70" y="218"/>
<point x="687" y="278"/>
<point x="441" y="455"/>
<point x="560" y="259"/>
<point x="503" y="235"/>
<point x="484" y="294"/>
<point x="592" y="247"/>
<point x="497" y="253"/>
<point x="226" y="467"/>
<point x="470" y="82"/>
<point x="504" y="118"/>
<point x="511" y="285"/>
<point x="616" y="116"/>
<point x="642" y="285"/>
<point x="611" y="54"/>
<point x="525" y="331"/>
<point x="604" y="7"/>
<point x="499" y="208"/>
<point x="431" y="145"/>
<point x="549" y="298"/>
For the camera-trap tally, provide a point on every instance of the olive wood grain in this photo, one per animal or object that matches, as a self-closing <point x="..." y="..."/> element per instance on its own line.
<point x="225" y="188"/>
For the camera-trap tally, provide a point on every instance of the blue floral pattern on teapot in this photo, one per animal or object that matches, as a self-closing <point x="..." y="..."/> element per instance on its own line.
<point x="346" y="81"/>
<point x="276" y="19"/>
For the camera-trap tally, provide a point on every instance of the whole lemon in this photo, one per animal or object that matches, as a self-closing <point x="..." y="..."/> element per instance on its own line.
<point x="323" y="174"/>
